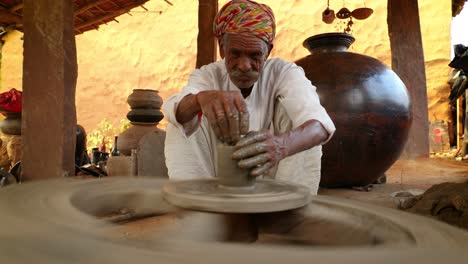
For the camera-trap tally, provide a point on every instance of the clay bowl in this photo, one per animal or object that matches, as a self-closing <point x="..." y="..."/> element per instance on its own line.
<point x="362" y="13"/>
<point x="144" y="98"/>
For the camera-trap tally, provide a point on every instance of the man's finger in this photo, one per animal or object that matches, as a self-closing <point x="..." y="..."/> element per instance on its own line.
<point x="233" y="119"/>
<point x="250" y="150"/>
<point x="222" y="122"/>
<point x="254" y="161"/>
<point x="261" y="170"/>
<point x="244" y="116"/>
<point x="251" y="138"/>
<point x="213" y="123"/>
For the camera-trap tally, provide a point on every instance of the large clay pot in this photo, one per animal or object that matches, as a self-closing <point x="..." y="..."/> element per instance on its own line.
<point x="144" y="98"/>
<point x="369" y="105"/>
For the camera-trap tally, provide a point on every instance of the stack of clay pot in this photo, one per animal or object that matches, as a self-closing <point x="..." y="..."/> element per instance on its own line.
<point x="144" y="117"/>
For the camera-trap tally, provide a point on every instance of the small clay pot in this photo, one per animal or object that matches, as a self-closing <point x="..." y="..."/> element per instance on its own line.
<point x="362" y="13"/>
<point x="228" y="172"/>
<point x="11" y="125"/>
<point x="145" y="115"/>
<point x="343" y="13"/>
<point x="144" y="99"/>
<point x="328" y="16"/>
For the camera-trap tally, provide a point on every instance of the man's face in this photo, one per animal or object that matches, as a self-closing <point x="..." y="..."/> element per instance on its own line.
<point x="245" y="56"/>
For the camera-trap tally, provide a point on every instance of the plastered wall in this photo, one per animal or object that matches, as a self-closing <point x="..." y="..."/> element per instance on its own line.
<point x="158" y="50"/>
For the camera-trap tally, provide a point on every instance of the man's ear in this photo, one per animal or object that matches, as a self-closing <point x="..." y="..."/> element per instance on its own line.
<point x="221" y="48"/>
<point x="270" y="47"/>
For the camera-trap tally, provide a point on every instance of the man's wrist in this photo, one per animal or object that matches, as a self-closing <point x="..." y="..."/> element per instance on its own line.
<point x="198" y="106"/>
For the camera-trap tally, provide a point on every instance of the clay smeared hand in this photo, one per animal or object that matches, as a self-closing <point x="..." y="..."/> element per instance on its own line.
<point x="260" y="151"/>
<point x="226" y="112"/>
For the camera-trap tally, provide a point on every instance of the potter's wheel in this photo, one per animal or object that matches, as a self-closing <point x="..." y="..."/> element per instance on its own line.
<point x="57" y="221"/>
<point x="234" y="190"/>
<point x="263" y="196"/>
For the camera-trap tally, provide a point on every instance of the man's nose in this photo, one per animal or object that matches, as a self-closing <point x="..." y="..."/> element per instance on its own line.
<point x="244" y="64"/>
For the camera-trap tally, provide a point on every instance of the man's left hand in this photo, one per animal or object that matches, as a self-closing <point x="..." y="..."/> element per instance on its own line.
<point x="260" y="151"/>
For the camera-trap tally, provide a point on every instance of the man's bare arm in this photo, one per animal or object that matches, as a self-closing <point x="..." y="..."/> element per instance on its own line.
<point x="187" y="109"/>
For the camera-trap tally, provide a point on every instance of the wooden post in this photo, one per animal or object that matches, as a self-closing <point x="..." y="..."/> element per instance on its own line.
<point x="408" y="62"/>
<point x="49" y="82"/>
<point x="206" y="42"/>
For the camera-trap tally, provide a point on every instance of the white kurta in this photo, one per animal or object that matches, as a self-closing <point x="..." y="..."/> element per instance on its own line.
<point x="281" y="92"/>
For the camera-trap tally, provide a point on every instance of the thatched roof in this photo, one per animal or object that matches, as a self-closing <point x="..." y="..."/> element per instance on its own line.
<point x="89" y="14"/>
<point x="457" y="6"/>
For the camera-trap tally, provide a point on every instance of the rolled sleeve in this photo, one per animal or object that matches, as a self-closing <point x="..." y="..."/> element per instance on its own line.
<point x="170" y="108"/>
<point x="301" y="101"/>
<point x="198" y="81"/>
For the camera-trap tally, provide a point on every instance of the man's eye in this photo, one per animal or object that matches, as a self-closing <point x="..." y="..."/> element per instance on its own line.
<point x="257" y="55"/>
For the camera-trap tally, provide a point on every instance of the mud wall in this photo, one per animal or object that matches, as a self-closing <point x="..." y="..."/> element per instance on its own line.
<point x="153" y="49"/>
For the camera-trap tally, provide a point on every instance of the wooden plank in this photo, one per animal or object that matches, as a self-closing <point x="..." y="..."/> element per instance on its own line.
<point x="49" y="83"/>
<point x="408" y="62"/>
<point x="206" y="41"/>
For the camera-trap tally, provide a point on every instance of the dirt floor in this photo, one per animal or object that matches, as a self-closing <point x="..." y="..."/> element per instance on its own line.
<point x="417" y="174"/>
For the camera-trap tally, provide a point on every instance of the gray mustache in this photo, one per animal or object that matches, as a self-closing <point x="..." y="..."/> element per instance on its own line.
<point x="249" y="74"/>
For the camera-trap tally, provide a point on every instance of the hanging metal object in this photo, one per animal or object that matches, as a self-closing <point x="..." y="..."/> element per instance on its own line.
<point x="328" y="16"/>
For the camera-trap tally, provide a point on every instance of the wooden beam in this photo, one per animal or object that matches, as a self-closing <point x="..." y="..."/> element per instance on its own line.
<point x="88" y="6"/>
<point x="408" y="62"/>
<point x="114" y="3"/>
<point x="16" y="7"/>
<point x="8" y="17"/>
<point x="111" y="15"/>
<point x="49" y="83"/>
<point x="206" y="41"/>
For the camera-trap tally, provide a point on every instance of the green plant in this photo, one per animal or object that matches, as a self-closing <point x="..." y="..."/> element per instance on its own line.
<point x="102" y="136"/>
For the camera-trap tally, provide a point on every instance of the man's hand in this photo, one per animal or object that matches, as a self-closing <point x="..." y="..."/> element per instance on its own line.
<point x="260" y="151"/>
<point x="226" y="112"/>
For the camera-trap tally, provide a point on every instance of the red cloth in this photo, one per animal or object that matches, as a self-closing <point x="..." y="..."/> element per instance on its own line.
<point x="11" y="100"/>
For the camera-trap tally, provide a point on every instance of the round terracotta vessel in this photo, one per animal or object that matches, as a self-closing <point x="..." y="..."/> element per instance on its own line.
<point x="369" y="105"/>
<point x="11" y="125"/>
<point x="144" y="98"/>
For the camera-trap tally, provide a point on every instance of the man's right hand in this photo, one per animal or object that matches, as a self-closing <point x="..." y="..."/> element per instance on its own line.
<point x="226" y="112"/>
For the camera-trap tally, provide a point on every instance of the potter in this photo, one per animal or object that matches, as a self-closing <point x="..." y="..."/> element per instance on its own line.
<point x="270" y="101"/>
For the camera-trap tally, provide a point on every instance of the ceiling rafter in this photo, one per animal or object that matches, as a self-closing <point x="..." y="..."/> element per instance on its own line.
<point x="111" y="15"/>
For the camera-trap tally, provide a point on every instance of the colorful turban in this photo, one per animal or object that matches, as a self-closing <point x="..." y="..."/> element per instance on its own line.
<point x="245" y="16"/>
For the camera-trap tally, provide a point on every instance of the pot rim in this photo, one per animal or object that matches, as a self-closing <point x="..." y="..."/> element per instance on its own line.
<point x="143" y="89"/>
<point x="328" y="40"/>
